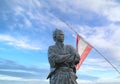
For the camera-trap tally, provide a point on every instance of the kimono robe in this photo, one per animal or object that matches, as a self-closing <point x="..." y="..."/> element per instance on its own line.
<point x="63" y="59"/>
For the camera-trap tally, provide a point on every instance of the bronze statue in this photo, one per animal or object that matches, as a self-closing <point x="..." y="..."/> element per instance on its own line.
<point x="62" y="59"/>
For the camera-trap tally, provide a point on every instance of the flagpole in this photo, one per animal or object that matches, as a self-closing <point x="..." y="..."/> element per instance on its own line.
<point x="92" y="47"/>
<point x="68" y="26"/>
<point x="107" y="60"/>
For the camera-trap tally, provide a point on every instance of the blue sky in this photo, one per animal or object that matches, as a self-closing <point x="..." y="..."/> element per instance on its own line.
<point x="26" y="28"/>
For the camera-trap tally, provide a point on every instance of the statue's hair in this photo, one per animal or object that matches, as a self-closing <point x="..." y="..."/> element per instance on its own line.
<point x="55" y="33"/>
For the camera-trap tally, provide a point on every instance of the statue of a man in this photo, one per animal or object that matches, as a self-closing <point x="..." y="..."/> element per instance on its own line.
<point x="62" y="59"/>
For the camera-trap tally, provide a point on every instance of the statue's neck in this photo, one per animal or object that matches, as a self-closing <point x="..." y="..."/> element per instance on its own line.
<point x="60" y="44"/>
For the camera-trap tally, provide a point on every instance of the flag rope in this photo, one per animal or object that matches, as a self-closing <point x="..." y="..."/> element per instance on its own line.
<point x="92" y="46"/>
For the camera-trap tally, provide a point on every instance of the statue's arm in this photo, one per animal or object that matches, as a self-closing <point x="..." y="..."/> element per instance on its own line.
<point x="77" y="58"/>
<point x="55" y="57"/>
<point x="74" y="54"/>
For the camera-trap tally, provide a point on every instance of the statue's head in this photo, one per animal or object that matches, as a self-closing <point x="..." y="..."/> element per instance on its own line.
<point x="58" y="35"/>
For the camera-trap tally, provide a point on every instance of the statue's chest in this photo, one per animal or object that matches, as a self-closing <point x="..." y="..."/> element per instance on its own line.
<point x="62" y="50"/>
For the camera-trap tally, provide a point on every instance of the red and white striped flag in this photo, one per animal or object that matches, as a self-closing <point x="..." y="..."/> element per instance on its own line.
<point x="83" y="49"/>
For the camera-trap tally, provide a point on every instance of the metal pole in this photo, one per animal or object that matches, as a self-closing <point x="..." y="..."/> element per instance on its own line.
<point x="92" y="46"/>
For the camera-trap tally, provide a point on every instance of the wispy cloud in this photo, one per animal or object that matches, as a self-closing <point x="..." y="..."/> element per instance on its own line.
<point x="19" y="42"/>
<point x="11" y="68"/>
<point x="100" y="81"/>
<point x="94" y="20"/>
<point x="109" y="81"/>
<point x="106" y="38"/>
<point x="87" y="77"/>
<point x="108" y="8"/>
<point x="14" y="73"/>
<point x="11" y="72"/>
<point x="95" y="64"/>
<point x="23" y="81"/>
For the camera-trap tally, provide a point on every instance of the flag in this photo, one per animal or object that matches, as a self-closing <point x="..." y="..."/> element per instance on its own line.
<point x="83" y="49"/>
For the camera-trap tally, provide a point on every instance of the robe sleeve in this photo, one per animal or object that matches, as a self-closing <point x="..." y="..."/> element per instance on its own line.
<point x="54" y="57"/>
<point x="74" y="54"/>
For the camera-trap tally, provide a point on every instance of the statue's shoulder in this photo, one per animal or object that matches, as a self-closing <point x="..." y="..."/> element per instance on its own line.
<point x="52" y="47"/>
<point x="68" y="46"/>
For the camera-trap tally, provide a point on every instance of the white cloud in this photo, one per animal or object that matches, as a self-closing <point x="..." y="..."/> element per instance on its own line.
<point x="108" y="8"/>
<point x="27" y="22"/>
<point x="109" y="80"/>
<point x="95" y="64"/>
<point x="33" y="9"/>
<point x="45" y="81"/>
<point x="23" y="81"/>
<point x="18" y="10"/>
<point x="3" y="77"/>
<point x="95" y="68"/>
<point x="19" y="42"/>
<point x="85" y="82"/>
<point x="105" y="38"/>
<point x="100" y="81"/>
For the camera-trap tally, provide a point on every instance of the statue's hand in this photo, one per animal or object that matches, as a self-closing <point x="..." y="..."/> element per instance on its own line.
<point x="70" y="59"/>
<point x="62" y="58"/>
<point x="67" y="56"/>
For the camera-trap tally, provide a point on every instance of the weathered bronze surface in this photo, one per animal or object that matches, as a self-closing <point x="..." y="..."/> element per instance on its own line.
<point x="62" y="59"/>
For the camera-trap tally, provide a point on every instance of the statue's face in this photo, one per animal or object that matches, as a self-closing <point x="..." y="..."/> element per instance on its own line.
<point x="60" y="36"/>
